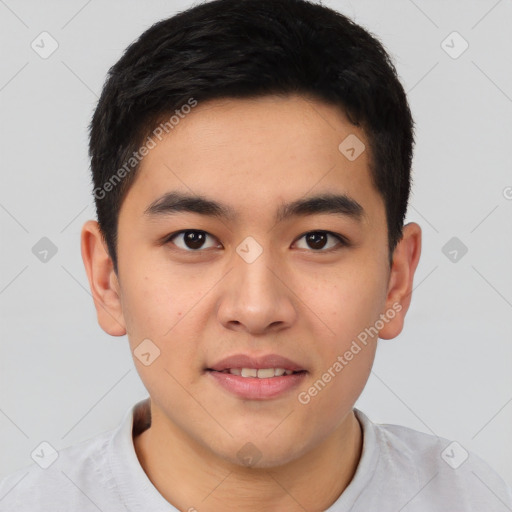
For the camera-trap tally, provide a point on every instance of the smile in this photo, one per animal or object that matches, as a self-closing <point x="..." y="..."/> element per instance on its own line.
<point x="262" y="373"/>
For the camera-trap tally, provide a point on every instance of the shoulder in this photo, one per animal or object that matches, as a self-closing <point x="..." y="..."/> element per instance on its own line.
<point x="57" y="478"/>
<point x="431" y="469"/>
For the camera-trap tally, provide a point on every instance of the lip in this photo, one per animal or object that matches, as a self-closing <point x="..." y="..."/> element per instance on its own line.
<point x="256" y="362"/>
<point x="254" y="388"/>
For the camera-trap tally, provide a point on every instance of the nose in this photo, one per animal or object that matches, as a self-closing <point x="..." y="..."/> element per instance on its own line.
<point x="256" y="297"/>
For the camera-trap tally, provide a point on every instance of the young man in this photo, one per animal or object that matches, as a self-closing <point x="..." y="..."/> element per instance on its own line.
<point x="251" y="166"/>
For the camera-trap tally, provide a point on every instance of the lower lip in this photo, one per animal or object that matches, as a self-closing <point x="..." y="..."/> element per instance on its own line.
<point x="253" y="388"/>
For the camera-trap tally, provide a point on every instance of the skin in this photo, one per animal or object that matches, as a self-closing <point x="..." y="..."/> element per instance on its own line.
<point x="293" y="300"/>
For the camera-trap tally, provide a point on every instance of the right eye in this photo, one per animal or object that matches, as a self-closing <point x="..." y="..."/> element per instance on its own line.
<point x="190" y="239"/>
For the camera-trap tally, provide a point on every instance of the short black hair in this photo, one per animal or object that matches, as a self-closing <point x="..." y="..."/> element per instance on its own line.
<point x="225" y="49"/>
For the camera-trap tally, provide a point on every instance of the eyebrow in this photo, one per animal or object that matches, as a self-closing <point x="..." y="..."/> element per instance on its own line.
<point x="336" y="204"/>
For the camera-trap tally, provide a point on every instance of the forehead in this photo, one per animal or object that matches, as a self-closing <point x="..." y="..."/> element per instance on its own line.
<point x="247" y="153"/>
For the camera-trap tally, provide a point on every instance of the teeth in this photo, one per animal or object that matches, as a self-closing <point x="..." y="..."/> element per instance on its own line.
<point x="265" y="373"/>
<point x="249" y="372"/>
<point x="262" y="373"/>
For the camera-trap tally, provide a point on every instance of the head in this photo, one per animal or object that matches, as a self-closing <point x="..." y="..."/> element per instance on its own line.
<point x="283" y="138"/>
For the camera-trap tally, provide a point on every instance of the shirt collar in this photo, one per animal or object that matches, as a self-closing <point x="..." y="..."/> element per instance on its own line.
<point x="139" y="494"/>
<point x="135" y="488"/>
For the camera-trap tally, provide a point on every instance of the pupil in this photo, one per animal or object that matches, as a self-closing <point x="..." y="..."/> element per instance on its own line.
<point x="316" y="240"/>
<point x="194" y="239"/>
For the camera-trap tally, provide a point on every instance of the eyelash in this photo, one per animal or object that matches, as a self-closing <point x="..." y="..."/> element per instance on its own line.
<point x="343" y="242"/>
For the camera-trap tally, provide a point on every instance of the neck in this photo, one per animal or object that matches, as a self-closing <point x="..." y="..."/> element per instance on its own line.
<point x="190" y="477"/>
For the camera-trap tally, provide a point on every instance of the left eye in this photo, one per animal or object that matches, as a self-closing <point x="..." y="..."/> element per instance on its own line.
<point x="318" y="240"/>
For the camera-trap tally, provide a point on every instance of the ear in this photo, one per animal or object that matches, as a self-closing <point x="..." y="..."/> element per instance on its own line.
<point x="103" y="280"/>
<point x="405" y="260"/>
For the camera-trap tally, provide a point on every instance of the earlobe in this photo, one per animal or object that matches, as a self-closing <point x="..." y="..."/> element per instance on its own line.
<point x="405" y="261"/>
<point x="102" y="280"/>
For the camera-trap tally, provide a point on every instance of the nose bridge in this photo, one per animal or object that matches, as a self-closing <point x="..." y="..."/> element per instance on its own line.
<point x="255" y="296"/>
<point x="252" y="269"/>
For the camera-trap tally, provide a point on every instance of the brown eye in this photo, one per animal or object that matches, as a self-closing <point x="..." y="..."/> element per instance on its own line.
<point x="191" y="240"/>
<point x="318" y="240"/>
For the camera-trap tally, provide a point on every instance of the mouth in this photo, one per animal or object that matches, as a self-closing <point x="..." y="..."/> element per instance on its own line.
<point x="259" y="373"/>
<point x="256" y="378"/>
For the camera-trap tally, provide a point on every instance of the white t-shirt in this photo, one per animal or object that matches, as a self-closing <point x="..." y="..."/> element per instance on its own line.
<point x="400" y="470"/>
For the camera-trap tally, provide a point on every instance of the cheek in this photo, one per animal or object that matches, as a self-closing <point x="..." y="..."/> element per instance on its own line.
<point x="166" y="310"/>
<point x="149" y="308"/>
<point x="347" y="300"/>
<point x="151" y="293"/>
<point x="154" y="311"/>
<point x="143" y="303"/>
<point x="350" y="308"/>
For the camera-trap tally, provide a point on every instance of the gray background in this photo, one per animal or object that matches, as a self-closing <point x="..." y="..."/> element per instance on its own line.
<point x="63" y="380"/>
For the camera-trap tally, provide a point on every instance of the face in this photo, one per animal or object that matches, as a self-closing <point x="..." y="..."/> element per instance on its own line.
<point x="262" y="280"/>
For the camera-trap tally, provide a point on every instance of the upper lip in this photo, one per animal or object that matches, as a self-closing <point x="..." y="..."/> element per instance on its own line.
<point x="257" y="362"/>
